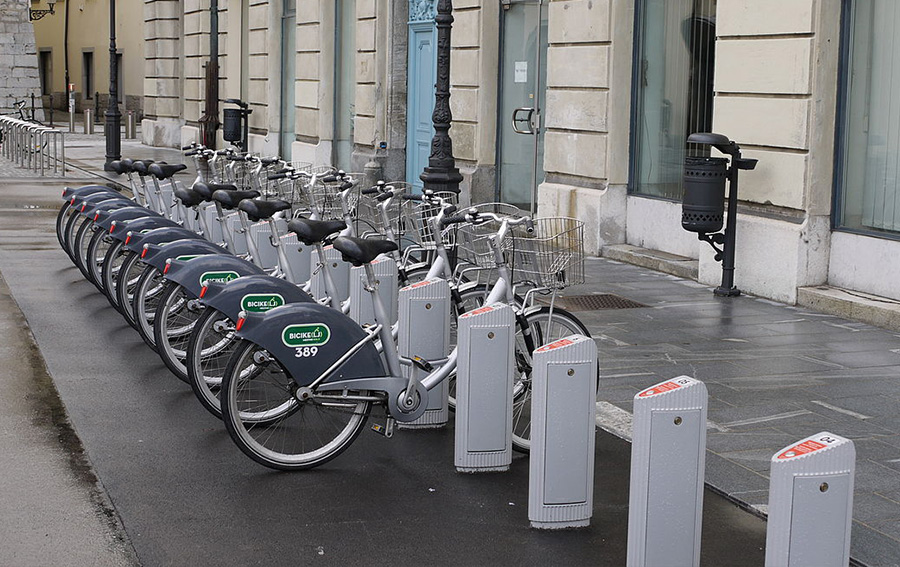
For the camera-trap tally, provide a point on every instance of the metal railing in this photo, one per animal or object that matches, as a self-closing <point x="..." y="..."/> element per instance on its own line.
<point x="36" y="147"/>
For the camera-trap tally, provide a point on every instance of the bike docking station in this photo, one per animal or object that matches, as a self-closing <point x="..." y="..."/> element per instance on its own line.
<point x="811" y="503"/>
<point x="424" y="325"/>
<point x="484" y="387"/>
<point x="362" y="308"/>
<point x="340" y="275"/>
<point x="563" y="424"/>
<point x="668" y="456"/>
<point x="298" y="257"/>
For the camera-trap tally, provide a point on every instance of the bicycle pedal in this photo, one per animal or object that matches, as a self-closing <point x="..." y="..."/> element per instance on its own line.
<point x="386" y="429"/>
<point x="422" y="364"/>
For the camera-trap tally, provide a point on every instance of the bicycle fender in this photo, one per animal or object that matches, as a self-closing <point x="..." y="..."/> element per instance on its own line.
<point x="86" y="190"/>
<point x="160" y="235"/>
<point x="90" y="209"/>
<point x="157" y="254"/>
<point x="89" y="200"/>
<point x="307" y="338"/>
<point x="106" y="218"/>
<point x="139" y="227"/>
<point x="193" y="273"/>
<point x="252" y="293"/>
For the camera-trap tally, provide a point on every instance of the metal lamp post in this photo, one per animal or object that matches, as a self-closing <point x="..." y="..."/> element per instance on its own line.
<point x="209" y="123"/>
<point x="113" y="116"/>
<point x="441" y="173"/>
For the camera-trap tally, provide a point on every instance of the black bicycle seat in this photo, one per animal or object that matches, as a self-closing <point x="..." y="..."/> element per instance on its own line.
<point x="260" y="210"/>
<point x="207" y="189"/>
<point x="165" y="171"/>
<point x="359" y="251"/>
<point x="231" y="199"/>
<point x="310" y="231"/>
<point x="189" y="197"/>
<point x="140" y="166"/>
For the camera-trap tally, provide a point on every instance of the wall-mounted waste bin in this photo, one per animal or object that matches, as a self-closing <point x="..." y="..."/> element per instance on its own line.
<point x="703" y="208"/>
<point x="232" y="127"/>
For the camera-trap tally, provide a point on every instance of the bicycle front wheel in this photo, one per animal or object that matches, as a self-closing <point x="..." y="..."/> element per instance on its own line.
<point x="176" y="315"/>
<point x="277" y="424"/>
<point x="147" y="293"/>
<point x="540" y="327"/>
<point x="211" y="346"/>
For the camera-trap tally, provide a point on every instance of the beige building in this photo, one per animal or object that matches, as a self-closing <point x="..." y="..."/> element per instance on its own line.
<point x="75" y="39"/>
<point x="583" y="107"/>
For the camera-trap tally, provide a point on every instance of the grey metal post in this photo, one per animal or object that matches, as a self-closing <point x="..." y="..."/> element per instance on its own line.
<point x="563" y="420"/>
<point x="668" y="455"/>
<point x="811" y="503"/>
<point x="88" y="121"/>
<point x="484" y="388"/>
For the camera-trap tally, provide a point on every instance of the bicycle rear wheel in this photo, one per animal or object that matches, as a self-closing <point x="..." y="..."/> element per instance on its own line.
<point x="96" y="253"/>
<point x="176" y="314"/>
<point x="273" y="423"/>
<point x="211" y="346"/>
<point x="147" y="293"/>
<point x="543" y="328"/>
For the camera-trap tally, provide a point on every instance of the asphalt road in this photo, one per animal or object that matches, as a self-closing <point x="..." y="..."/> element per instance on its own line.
<point x="187" y="496"/>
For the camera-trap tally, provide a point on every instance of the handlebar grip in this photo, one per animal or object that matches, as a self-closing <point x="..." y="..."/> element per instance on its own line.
<point x="346" y="185"/>
<point x="269" y="160"/>
<point x="370" y="191"/>
<point x="456" y="219"/>
<point x="191" y="153"/>
<point x="384" y="196"/>
<point x="449" y="210"/>
<point x="277" y="176"/>
<point x="409" y="197"/>
<point x="185" y="148"/>
<point x="328" y="179"/>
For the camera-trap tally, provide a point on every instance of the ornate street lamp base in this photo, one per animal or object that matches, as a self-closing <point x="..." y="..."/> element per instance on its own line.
<point x="441" y="179"/>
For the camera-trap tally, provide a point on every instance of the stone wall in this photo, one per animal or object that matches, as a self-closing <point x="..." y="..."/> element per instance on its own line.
<point x="18" y="56"/>
<point x="164" y="107"/>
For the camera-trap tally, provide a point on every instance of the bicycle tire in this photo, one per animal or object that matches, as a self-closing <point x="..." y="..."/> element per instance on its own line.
<point x="147" y="293"/>
<point x="211" y="346"/>
<point x="72" y="225"/>
<point x="109" y="271"/>
<point x="65" y="212"/>
<point x="545" y="329"/>
<point x="176" y="315"/>
<point x="125" y="283"/>
<point x="257" y="426"/>
<point x="80" y="244"/>
<point x="97" y="249"/>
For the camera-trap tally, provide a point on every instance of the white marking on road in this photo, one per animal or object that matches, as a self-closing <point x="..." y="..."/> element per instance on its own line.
<point x="893" y="461"/>
<point x="751" y="421"/>
<point x="617" y="342"/>
<point x="615" y="420"/>
<point x="841" y="410"/>
<point x="736" y="340"/>
<point x="842" y="326"/>
<point x="818" y="361"/>
<point x="790" y="321"/>
<point x="626" y="375"/>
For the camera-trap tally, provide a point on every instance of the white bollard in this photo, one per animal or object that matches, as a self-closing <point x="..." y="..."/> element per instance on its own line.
<point x="484" y="381"/>
<point x="340" y="274"/>
<point x="811" y="503"/>
<point x="563" y="424"/>
<point x="362" y="310"/>
<point x="424" y="331"/>
<point x="668" y="456"/>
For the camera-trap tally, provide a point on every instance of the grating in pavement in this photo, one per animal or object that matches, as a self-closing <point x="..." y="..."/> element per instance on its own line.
<point x="594" y="302"/>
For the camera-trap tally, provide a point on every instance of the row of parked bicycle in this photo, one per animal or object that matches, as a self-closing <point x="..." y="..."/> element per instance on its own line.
<point x="271" y="288"/>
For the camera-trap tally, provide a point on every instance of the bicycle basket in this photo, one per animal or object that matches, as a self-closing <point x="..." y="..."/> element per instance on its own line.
<point x="369" y="218"/>
<point x="551" y="257"/>
<point x="416" y="217"/>
<point x="325" y="196"/>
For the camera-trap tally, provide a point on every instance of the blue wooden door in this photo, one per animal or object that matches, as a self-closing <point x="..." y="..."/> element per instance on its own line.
<point x="422" y="76"/>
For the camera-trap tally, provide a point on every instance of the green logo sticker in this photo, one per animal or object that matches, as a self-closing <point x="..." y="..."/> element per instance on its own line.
<point x="308" y="335"/>
<point x="261" y="302"/>
<point x="218" y="277"/>
<point x="186" y="258"/>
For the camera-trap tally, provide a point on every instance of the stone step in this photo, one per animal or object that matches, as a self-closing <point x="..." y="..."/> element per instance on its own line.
<point x="865" y="307"/>
<point x="665" y="262"/>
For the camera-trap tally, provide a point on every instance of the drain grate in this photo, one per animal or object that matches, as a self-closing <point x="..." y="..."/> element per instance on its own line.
<point x="593" y="302"/>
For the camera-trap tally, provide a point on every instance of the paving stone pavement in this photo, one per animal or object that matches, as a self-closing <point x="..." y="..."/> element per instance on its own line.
<point x="775" y="374"/>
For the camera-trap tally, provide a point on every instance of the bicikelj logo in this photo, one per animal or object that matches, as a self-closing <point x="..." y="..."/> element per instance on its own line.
<point x="261" y="302"/>
<point x="218" y="277"/>
<point x="306" y="335"/>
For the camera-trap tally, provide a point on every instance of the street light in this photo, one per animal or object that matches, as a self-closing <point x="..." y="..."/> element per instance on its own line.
<point x="441" y="173"/>
<point x="113" y="116"/>
<point x="35" y="15"/>
<point x="703" y="206"/>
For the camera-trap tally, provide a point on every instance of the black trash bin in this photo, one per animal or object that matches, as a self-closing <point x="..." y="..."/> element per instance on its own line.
<point x="232" y="127"/>
<point x="703" y="206"/>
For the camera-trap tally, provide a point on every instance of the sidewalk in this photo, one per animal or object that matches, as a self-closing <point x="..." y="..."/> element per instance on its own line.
<point x="775" y="374"/>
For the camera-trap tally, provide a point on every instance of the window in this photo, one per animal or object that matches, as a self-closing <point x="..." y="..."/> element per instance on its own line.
<point x="868" y="141"/>
<point x="87" y="74"/>
<point x="672" y="90"/>
<point x="46" y="69"/>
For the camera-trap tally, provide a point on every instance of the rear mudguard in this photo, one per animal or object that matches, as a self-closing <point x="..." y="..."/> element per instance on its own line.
<point x="140" y="226"/>
<point x="86" y="190"/>
<point x="106" y="218"/>
<point x="157" y="254"/>
<point x="192" y="273"/>
<point x="252" y="294"/>
<point x="89" y="209"/>
<point x="159" y="236"/>
<point x="307" y="338"/>
<point x="78" y="201"/>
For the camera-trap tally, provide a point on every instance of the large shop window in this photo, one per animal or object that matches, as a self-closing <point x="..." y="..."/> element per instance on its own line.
<point x="868" y="187"/>
<point x="672" y="89"/>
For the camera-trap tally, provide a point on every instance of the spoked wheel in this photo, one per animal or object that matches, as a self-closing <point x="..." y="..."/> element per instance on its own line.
<point x="127" y="277"/>
<point x="96" y="253"/>
<point x="147" y="293"/>
<point x="211" y="346"/>
<point x="113" y="261"/>
<point x="176" y="314"/>
<point x="65" y="212"/>
<point x="280" y="425"/>
<point x="80" y="247"/>
<point x="76" y="220"/>
<point x="542" y="328"/>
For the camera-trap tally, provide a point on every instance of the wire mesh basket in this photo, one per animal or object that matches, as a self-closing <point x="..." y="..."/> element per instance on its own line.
<point x="474" y="239"/>
<point x="416" y="221"/>
<point x="369" y="217"/>
<point x="295" y="189"/>
<point x="325" y="196"/>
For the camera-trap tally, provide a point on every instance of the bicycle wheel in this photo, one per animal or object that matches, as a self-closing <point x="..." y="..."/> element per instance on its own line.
<point x="147" y="293"/>
<point x="97" y="249"/>
<point x="543" y="328"/>
<point x="468" y="300"/>
<point x="265" y="416"/>
<point x="176" y="314"/>
<point x="72" y="227"/>
<point x="211" y="345"/>
<point x="62" y="218"/>
<point x="124" y="283"/>
<point x="80" y="246"/>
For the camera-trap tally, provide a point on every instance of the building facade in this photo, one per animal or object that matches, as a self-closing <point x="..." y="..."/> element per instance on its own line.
<point x="18" y="56"/>
<point x="582" y="108"/>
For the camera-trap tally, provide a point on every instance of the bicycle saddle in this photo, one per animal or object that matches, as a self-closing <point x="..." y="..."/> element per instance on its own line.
<point x="231" y="199"/>
<point x="310" y="231"/>
<point x="260" y="210"/>
<point x="359" y="251"/>
<point x="189" y="197"/>
<point x="207" y="189"/>
<point x="140" y="166"/>
<point x="165" y="171"/>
